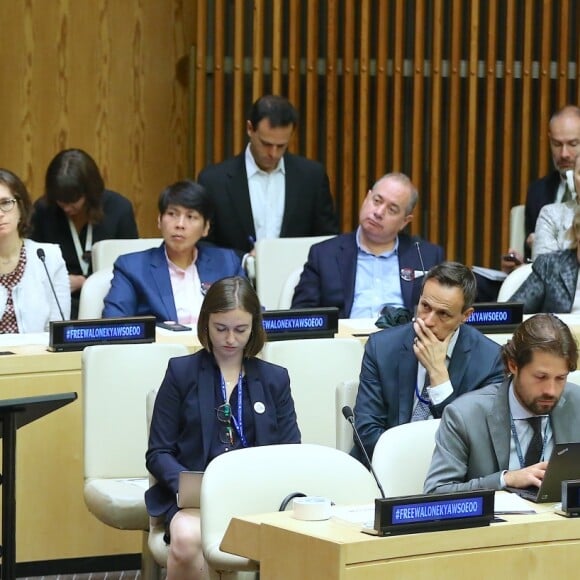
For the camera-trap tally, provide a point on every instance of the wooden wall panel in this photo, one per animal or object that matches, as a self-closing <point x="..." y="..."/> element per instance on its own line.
<point x="100" y="75"/>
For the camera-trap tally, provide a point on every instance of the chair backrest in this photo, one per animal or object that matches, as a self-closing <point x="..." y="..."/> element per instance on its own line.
<point x="345" y="395"/>
<point x="116" y="380"/>
<point x="287" y="292"/>
<point x="105" y="252"/>
<point x="518" y="228"/>
<point x="513" y="282"/>
<point x="315" y="367"/>
<point x="264" y="476"/>
<point x="93" y="293"/>
<point x="275" y="260"/>
<point x="402" y="457"/>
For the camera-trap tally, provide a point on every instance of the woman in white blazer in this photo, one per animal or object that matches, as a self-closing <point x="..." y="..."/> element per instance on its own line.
<point x="27" y="302"/>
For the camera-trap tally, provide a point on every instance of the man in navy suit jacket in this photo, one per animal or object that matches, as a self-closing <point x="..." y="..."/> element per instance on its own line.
<point x="266" y="192"/>
<point x="374" y="266"/>
<point x="412" y="372"/>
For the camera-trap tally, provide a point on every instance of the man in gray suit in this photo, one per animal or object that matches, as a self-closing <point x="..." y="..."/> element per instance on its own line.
<point x="503" y="435"/>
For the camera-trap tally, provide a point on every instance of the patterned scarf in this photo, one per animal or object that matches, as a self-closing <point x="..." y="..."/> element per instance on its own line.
<point x="9" y="324"/>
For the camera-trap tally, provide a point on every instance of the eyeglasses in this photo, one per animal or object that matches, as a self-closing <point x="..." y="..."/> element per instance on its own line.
<point x="226" y="431"/>
<point x="7" y="205"/>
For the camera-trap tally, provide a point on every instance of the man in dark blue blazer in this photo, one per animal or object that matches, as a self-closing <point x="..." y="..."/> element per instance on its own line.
<point x="374" y="266"/>
<point x="266" y="192"/>
<point x="412" y="372"/>
<point x="141" y="284"/>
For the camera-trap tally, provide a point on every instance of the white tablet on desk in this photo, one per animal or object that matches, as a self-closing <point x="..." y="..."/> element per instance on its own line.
<point x="189" y="490"/>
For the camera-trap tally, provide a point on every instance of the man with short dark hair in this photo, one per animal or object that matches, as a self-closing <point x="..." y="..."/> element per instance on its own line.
<point x="266" y="192"/>
<point x="503" y="435"/>
<point x="413" y="372"/>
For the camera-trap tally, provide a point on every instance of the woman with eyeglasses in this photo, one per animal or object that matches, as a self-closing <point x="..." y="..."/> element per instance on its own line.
<point x="216" y="400"/>
<point x="76" y="211"/>
<point x="27" y="302"/>
<point x="169" y="281"/>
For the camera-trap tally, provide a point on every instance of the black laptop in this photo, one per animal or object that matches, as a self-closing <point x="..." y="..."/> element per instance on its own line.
<point x="564" y="464"/>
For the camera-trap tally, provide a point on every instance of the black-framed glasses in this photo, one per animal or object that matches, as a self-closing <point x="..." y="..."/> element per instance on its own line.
<point x="7" y="205"/>
<point x="226" y="431"/>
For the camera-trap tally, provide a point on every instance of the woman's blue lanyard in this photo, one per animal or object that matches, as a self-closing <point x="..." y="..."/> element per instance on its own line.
<point x="238" y="423"/>
<point x="519" y="447"/>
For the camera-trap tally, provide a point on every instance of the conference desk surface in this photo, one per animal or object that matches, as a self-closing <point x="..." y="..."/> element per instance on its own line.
<point x="542" y="545"/>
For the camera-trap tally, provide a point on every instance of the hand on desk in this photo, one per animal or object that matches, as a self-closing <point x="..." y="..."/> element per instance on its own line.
<point x="522" y="478"/>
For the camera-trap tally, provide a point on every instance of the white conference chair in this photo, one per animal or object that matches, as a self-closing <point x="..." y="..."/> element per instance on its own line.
<point x="93" y="293"/>
<point x="287" y="292"/>
<point x="105" y="252"/>
<point x="346" y="392"/>
<point x="275" y="260"/>
<point x="402" y="457"/>
<point x="518" y="228"/>
<point x="256" y="480"/>
<point x="513" y="282"/>
<point x="116" y="380"/>
<point x="315" y="367"/>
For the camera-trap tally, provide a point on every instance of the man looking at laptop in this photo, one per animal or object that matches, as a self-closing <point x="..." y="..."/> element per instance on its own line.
<point x="502" y="435"/>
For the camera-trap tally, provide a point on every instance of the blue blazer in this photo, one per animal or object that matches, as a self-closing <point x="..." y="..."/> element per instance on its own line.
<point x="389" y="374"/>
<point x="308" y="206"/>
<point x="141" y="285"/>
<point x="184" y="418"/>
<point x="328" y="278"/>
<point x="551" y="287"/>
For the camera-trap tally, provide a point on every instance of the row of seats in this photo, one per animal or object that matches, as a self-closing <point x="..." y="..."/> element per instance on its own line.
<point x="118" y="378"/>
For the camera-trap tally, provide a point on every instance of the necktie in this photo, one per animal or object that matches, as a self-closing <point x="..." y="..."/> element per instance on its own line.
<point x="422" y="410"/>
<point x="567" y="196"/>
<point x="535" y="448"/>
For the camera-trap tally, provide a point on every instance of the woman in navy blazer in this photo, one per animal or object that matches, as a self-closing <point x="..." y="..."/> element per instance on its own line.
<point x="169" y="282"/>
<point x="219" y="399"/>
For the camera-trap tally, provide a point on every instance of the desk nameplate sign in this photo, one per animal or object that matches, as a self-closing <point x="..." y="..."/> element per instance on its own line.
<point x="300" y="323"/>
<point x="68" y="335"/>
<point x="496" y="317"/>
<point x="425" y="513"/>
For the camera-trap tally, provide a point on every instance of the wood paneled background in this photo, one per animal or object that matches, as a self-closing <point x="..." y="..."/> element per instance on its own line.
<point x="101" y="75"/>
<point x="456" y="93"/>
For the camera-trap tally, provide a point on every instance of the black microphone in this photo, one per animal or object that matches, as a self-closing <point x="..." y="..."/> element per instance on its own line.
<point x="420" y="257"/>
<point x="349" y="416"/>
<point x="42" y="256"/>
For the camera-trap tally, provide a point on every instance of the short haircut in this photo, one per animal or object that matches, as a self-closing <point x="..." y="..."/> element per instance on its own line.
<point x="566" y="110"/>
<point x="22" y="197"/>
<point x="278" y="110"/>
<point x="188" y="194"/>
<point x="229" y="294"/>
<point x="542" y="332"/>
<point x="457" y="275"/>
<point x="405" y="180"/>
<point x="73" y="174"/>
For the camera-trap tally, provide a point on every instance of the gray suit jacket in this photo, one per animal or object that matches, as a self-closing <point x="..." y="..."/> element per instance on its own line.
<point x="551" y="286"/>
<point x="472" y="444"/>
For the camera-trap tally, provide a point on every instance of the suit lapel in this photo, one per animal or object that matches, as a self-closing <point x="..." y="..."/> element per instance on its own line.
<point x="292" y="193"/>
<point x="239" y="194"/>
<point x="257" y="396"/>
<point x="407" y="378"/>
<point x="460" y="357"/>
<point x="346" y="265"/>
<point x="206" y="397"/>
<point x="406" y="287"/>
<point x="498" y="421"/>
<point x="160" y="275"/>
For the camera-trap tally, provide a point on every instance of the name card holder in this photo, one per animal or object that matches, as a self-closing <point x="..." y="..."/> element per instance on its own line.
<point x="69" y="335"/>
<point x="427" y="513"/>
<point x="300" y="323"/>
<point x="496" y="317"/>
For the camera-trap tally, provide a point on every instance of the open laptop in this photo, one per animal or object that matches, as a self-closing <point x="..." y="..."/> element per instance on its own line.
<point x="564" y="464"/>
<point x="189" y="490"/>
